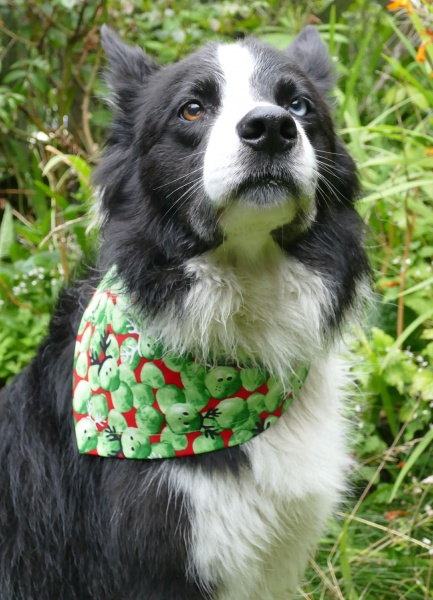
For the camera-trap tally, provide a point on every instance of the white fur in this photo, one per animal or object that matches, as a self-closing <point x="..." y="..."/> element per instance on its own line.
<point x="252" y="535"/>
<point x="269" y="311"/>
<point x="222" y="162"/>
<point x="247" y="227"/>
<point x="225" y="153"/>
<point x="305" y="164"/>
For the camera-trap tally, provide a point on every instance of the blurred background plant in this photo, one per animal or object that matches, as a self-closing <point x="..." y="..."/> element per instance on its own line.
<point x="52" y="124"/>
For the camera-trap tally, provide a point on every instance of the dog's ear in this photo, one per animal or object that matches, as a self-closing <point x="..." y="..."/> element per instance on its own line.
<point x="128" y="67"/>
<point x="309" y="53"/>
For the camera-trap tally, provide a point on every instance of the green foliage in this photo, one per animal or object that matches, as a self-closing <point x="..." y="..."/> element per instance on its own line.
<point x="29" y="288"/>
<point x="52" y="124"/>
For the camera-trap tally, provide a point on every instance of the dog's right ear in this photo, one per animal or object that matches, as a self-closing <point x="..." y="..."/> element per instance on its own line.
<point x="128" y="66"/>
<point x="310" y="54"/>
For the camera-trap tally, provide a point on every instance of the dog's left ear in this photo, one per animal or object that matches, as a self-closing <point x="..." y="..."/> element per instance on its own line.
<point x="309" y="53"/>
<point x="128" y="66"/>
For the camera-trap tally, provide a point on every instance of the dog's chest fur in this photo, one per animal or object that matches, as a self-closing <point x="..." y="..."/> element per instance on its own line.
<point x="249" y="310"/>
<point x="252" y="534"/>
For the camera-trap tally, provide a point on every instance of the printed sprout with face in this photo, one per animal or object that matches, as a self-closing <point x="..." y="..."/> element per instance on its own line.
<point x="135" y="443"/>
<point x="185" y="418"/>
<point x="222" y="382"/>
<point x="108" y="369"/>
<point x="144" y="347"/>
<point x="87" y="435"/>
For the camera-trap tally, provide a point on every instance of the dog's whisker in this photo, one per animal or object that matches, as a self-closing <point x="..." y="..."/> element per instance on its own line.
<point x="178" y="179"/>
<point x="329" y="185"/>
<point x="184" y="185"/>
<point x="193" y="185"/>
<point x="190" y="191"/>
<point x="331" y="172"/>
<point x="325" y="168"/>
<point x="328" y="152"/>
<point x="191" y="155"/>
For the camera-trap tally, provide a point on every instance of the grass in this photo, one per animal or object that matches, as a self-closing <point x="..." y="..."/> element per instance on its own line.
<point x="381" y="554"/>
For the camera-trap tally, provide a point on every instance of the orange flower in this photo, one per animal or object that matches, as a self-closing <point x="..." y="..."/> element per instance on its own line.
<point x="392" y="515"/>
<point x="401" y="4"/>
<point x="429" y="152"/>
<point x="421" y="54"/>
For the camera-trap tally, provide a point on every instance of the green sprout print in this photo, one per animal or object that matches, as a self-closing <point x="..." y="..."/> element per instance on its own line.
<point x="133" y="400"/>
<point x="222" y="382"/>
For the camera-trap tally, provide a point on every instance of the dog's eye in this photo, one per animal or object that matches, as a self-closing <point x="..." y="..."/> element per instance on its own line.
<point x="191" y="111"/>
<point x="299" y="107"/>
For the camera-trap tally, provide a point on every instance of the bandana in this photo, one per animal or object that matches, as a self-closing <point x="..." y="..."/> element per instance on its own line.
<point x="133" y="400"/>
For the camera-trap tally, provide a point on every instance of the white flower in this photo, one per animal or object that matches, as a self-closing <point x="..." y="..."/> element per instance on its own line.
<point x="42" y="136"/>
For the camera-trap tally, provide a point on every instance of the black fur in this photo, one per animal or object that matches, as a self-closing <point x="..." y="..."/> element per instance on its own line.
<point x="78" y="527"/>
<point x="310" y="54"/>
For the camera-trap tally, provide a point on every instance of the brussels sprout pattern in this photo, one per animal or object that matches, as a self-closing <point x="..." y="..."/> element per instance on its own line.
<point x="132" y="400"/>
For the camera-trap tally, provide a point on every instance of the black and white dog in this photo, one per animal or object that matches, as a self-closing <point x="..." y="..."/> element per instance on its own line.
<point x="227" y="207"/>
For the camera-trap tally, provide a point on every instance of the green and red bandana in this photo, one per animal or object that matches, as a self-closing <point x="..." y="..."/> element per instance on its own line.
<point x="133" y="400"/>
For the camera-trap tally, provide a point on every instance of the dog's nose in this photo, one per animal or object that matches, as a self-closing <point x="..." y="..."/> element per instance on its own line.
<point x="268" y="128"/>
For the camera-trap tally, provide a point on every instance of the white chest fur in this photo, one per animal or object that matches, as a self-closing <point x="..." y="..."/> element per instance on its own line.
<point x="252" y="535"/>
<point x="271" y="310"/>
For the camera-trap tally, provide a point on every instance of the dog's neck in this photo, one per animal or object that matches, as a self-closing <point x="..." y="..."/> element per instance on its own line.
<point x="247" y="234"/>
<point x="272" y="310"/>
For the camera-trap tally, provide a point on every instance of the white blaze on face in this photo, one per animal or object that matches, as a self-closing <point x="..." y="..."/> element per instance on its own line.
<point x="223" y="158"/>
<point x="226" y="155"/>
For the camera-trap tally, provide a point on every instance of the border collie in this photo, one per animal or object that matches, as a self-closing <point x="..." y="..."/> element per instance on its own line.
<point x="227" y="209"/>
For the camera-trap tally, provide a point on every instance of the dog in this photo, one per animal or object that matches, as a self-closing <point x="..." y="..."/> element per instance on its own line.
<point x="228" y="231"/>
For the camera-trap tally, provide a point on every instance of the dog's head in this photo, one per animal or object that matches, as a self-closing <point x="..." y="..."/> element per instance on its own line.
<point x="234" y="143"/>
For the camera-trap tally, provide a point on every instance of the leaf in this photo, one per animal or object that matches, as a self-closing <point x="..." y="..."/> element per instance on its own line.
<point x="411" y="290"/>
<point x="82" y="169"/>
<point x="355" y="71"/>
<point x="278" y="40"/>
<point x="391" y="190"/>
<point x="381" y="340"/>
<point x="373" y="445"/>
<point x="413" y="428"/>
<point x="39" y="82"/>
<point x="406" y="333"/>
<point x="404" y="73"/>
<point x="68" y="3"/>
<point x="61" y="200"/>
<point x="14" y="75"/>
<point x="423" y="383"/>
<point x="416" y="453"/>
<point x="7" y="233"/>
<point x="400" y="373"/>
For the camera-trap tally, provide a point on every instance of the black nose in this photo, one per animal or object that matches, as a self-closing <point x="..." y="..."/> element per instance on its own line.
<point x="268" y="128"/>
